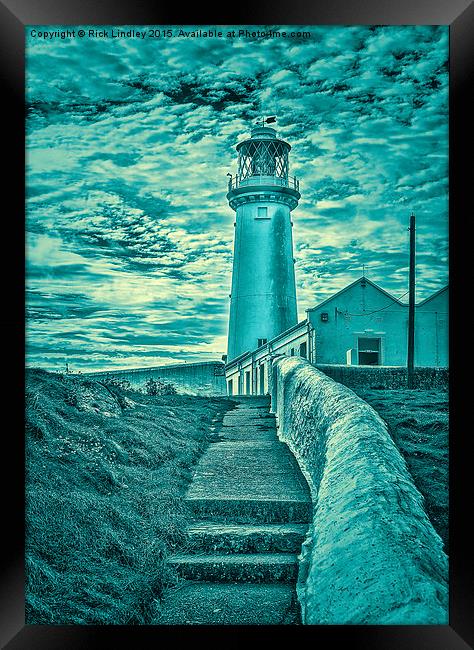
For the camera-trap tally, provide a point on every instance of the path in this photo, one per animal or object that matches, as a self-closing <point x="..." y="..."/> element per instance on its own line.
<point x="251" y="508"/>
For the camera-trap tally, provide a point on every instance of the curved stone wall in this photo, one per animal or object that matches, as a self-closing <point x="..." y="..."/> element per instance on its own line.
<point x="372" y="555"/>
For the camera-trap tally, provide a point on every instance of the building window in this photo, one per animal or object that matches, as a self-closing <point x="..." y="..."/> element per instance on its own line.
<point x="324" y="316"/>
<point x="247" y="382"/>
<point x="292" y="352"/>
<point x="369" y="351"/>
<point x="303" y="350"/>
<point x="262" y="213"/>
<point x="229" y="387"/>
<point x="261" y="342"/>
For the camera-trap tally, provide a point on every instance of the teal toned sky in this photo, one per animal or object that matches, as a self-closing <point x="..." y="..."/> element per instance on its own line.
<point x="129" y="235"/>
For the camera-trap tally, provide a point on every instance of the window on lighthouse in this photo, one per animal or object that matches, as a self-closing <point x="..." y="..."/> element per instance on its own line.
<point x="262" y="213"/>
<point x="262" y="159"/>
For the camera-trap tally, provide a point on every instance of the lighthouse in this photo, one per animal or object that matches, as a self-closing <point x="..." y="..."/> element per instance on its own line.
<point x="262" y="193"/>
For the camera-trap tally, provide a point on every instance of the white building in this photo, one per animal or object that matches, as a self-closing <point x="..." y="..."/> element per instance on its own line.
<point x="360" y="325"/>
<point x="364" y="325"/>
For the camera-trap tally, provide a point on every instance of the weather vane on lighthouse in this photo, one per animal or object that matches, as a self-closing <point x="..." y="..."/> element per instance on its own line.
<point x="267" y="120"/>
<point x="263" y="294"/>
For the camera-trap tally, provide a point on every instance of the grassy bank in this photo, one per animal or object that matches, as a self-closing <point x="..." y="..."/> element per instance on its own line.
<point x="418" y="423"/>
<point x="105" y="472"/>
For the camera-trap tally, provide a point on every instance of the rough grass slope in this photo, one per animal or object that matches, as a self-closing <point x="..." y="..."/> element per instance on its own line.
<point x="418" y="421"/>
<point x="106" y="470"/>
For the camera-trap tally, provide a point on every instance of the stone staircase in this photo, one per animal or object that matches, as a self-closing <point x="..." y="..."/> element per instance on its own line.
<point x="251" y="507"/>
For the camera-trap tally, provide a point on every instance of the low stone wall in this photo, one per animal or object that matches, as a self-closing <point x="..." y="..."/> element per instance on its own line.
<point x="206" y="378"/>
<point x="385" y="376"/>
<point x="372" y="555"/>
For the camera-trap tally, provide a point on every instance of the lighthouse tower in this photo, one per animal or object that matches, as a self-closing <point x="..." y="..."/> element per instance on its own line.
<point x="263" y="294"/>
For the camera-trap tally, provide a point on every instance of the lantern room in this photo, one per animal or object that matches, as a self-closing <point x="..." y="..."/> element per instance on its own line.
<point x="263" y="158"/>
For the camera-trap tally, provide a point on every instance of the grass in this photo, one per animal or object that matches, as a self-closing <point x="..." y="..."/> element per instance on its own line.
<point x="419" y="424"/>
<point x="106" y="470"/>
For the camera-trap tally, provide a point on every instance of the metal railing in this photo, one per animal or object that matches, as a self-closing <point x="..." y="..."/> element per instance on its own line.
<point x="258" y="179"/>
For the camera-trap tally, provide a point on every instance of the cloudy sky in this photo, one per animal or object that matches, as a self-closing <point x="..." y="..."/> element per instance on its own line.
<point x="129" y="235"/>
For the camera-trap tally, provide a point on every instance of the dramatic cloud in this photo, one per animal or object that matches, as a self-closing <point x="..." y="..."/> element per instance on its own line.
<point x="129" y="235"/>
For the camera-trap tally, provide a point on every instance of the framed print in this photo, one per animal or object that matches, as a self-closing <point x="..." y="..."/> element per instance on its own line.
<point x="233" y="321"/>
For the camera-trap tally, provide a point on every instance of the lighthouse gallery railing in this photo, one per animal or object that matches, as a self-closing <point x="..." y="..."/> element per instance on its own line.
<point x="259" y="179"/>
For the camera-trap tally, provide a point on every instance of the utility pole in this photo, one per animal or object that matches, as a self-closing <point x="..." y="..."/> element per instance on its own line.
<point x="411" y="309"/>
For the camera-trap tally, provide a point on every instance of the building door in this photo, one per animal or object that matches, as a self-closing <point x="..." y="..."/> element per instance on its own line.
<point x="247" y="382"/>
<point x="262" y="379"/>
<point x="369" y="351"/>
<point x="229" y="387"/>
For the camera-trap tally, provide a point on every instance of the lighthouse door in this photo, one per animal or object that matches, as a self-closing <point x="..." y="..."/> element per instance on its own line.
<point x="247" y="382"/>
<point x="262" y="379"/>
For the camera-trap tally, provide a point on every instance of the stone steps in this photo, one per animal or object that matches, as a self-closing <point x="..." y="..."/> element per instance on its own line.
<point x="261" y="423"/>
<point x="252" y="415"/>
<point x="227" y="603"/>
<point x="246" y="511"/>
<point x="249" y="567"/>
<point x="250" y="425"/>
<point x="254" y="401"/>
<point x="247" y="414"/>
<point x="250" y="508"/>
<point x="241" y="433"/>
<point x="212" y="537"/>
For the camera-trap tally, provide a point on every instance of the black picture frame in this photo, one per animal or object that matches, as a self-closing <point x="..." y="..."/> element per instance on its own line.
<point x="14" y="16"/>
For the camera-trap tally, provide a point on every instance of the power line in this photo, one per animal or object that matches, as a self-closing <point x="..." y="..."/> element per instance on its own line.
<point x="368" y="313"/>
